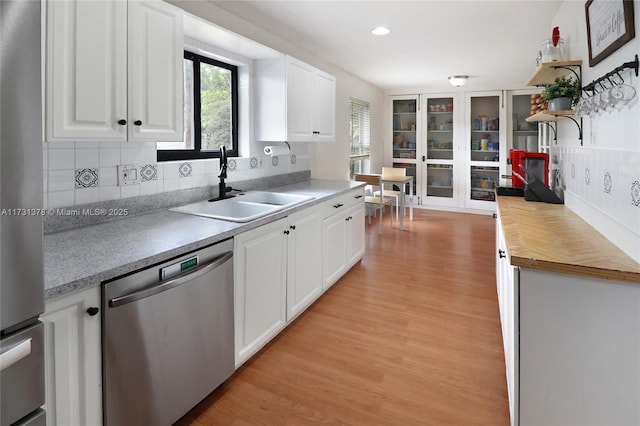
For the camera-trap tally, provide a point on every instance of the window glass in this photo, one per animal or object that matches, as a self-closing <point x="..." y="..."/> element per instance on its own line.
<point x="216" y="106"/>
<point x="210" y="111"/>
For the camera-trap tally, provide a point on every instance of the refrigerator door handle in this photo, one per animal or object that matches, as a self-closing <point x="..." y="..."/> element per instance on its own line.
<point x="15" y="353"/>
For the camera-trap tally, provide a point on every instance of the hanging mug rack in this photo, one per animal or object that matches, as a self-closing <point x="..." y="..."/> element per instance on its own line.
<point x="608" y="93"/>
<point x="615" y="73"/>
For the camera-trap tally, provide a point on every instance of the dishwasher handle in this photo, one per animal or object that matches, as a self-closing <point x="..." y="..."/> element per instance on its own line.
<point x="170" y="283"/>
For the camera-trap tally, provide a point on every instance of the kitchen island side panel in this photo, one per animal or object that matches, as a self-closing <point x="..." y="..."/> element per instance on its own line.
<point x="579" y="350"/>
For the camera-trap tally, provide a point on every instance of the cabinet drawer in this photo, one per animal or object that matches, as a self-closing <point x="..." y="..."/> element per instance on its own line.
<point x="342" y="202"/>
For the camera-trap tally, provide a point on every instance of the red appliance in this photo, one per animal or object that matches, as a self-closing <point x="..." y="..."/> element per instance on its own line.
<point x="537" y="163"/>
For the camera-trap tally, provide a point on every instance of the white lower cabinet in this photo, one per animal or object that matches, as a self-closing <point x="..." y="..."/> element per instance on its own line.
<point x="73" y="369"/>
<point x="260" y="279"/>
<point x="507" y="286"/>
<point x="571" y="344"/>
<point x="277" y="275"/>
<point x="280" y="268"/>
<point x="342" y="237"/>
<point x="304" y="270"/>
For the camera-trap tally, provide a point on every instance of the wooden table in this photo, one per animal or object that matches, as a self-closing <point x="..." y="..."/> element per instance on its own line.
<point x="401" y="181"/>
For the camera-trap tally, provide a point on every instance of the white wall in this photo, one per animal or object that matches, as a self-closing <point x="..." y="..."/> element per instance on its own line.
<point x="602" y="178"/>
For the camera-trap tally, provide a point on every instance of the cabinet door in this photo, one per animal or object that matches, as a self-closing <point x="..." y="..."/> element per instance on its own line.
<point x="155" y="71"/>
<point x="304" y="271"/>
<point x="440" y="150"/>
<point x="325" y="107"/>
<point x="486" y="134"/>
<point x="300" y="101"/>
<point x="86" y="62"/>
<point x="334" y="248"/>
<point x="260" y="274"/>
<point x="73" y="362"/>
<point x="355" y="234"/>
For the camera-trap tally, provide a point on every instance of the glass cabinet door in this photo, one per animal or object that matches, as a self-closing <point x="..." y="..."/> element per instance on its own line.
<point x="486" y="115"/>
<point x="485" y="128"/>
<point x="440" y="129"/>
<point x="438" y="170"/>
<point x="523" y="135"/>
<point x="405" y="121"/>
<point x="440" y="180"/>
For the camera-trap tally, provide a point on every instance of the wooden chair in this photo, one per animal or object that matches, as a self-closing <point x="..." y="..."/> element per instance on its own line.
<point x="393" y="171"/>
<point x="375" y="203"/>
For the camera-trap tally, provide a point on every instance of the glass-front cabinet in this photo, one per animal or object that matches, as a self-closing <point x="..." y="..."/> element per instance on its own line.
<point x="439" y="171"/>
<point x="522" y="135"/>
<point x="486" y="145"/>
<point x="405" y="130"/>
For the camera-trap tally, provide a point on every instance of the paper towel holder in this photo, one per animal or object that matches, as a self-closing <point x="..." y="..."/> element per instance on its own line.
<point x="275" y="150"/>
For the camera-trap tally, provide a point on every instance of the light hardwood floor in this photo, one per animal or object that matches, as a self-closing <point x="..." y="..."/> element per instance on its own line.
<point x="410" y="336"/>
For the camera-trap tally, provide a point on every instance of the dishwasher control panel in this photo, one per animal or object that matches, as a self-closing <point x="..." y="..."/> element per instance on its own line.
<point x="178" y="267"/>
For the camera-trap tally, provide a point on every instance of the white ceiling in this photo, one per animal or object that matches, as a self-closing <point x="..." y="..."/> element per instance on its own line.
<point x="494" y="42"/>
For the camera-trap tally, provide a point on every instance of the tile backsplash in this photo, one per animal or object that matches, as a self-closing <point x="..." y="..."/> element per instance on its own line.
<point x="606" y="180"/>
<point x="78" y="173"/>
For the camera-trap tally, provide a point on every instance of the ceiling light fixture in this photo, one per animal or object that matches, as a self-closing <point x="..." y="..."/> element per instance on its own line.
<point x="380" y="31"/>
<point x="458" y="80"/>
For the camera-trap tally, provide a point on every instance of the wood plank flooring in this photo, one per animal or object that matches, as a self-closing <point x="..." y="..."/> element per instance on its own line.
<point x="410" y="336"/>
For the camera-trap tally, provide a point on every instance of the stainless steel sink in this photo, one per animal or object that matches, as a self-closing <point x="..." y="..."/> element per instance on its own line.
<point x="244" y="207"/>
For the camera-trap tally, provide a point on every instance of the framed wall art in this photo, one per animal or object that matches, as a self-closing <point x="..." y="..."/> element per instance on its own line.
<point x="610" y="25"/>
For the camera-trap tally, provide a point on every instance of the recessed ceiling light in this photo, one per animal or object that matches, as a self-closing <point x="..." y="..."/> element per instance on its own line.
<point x="380" y="31"/>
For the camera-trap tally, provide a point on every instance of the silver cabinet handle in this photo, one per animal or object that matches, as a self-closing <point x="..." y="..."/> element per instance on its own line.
<point x="15" y="353"/>
<point x="170" y="283"/>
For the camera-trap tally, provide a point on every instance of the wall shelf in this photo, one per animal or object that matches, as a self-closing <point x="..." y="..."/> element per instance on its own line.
<point x="555" y="116"/>
<point x="547" y="72"/>
<point x="548" y="116"/>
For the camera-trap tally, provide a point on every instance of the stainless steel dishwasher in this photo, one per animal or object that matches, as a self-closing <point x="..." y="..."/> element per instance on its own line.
<point x="167" y="337"/>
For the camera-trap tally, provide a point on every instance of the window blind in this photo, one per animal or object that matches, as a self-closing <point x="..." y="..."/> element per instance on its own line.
<point x="360" y="132"/>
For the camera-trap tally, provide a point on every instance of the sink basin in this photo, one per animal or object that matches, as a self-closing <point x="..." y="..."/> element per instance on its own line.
<point x="274" y="198"/>
<point x="245" y="207"/>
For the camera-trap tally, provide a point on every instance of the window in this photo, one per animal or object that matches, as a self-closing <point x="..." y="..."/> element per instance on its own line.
<point x="359" y="136"/>
<point x="210" y="111"/>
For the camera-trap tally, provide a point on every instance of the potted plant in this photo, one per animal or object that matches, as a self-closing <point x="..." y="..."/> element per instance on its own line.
<point x="562" y="93"/>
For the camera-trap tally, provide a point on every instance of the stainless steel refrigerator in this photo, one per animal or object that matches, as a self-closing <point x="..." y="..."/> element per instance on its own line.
<point x="21" y="266"/>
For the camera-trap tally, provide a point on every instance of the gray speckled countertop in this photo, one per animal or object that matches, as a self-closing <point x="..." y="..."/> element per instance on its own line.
<point x="87" y="256"/>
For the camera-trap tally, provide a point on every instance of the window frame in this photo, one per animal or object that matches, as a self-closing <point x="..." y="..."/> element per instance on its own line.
<point x="196" y="153"/>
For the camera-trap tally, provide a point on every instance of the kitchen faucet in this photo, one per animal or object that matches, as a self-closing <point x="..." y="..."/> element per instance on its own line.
<point x="222" y="175"/>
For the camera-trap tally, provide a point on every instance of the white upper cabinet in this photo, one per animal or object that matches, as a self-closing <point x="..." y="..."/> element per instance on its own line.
<point x="325" y="107"/>
<point x="113" y="70"/>
<point x="86" y="78"/>
<point x="155" y="71"/>
<point x="294" y="102"/>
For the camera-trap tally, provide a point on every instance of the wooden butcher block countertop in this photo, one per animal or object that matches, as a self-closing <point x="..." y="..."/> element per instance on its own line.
<point x="551" y="237"/>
